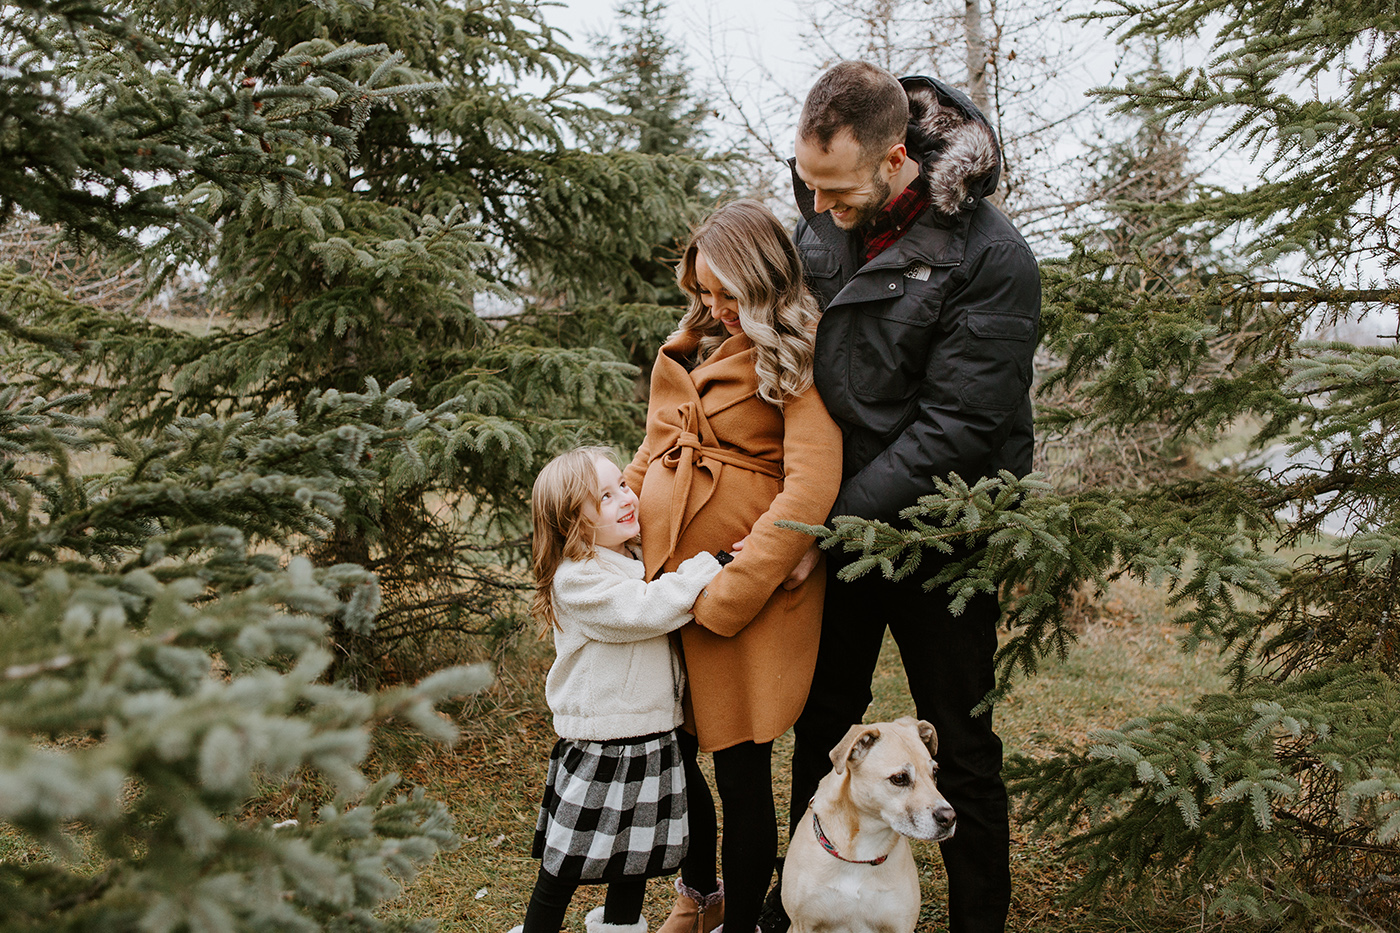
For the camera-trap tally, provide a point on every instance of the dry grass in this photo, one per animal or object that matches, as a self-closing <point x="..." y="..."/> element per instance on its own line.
<point x="1127" y="662"/>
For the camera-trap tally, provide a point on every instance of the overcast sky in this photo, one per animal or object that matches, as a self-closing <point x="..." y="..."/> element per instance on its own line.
<point x="748" y="29"/>
<point x="750" y="47"/>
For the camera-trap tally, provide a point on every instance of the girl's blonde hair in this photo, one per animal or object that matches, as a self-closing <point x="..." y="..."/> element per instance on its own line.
<point x="754" y="258"/>
<point x="563" y="530"/>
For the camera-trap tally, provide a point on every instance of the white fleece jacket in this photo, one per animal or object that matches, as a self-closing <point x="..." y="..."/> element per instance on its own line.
<point x="615" y="673"/>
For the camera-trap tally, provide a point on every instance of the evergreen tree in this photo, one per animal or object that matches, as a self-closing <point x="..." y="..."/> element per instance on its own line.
<point x="162" y="676"/>
<point x="644" y="79"/>
<point x="1128" y="178"/>
<point x="1283" y="794"/>
<point x="162" y="665"/>
<point x="418" y="178"/>
<point x="645" y="83"/>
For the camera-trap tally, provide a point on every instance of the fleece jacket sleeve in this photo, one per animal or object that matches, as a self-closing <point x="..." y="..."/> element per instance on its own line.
<point x="606" y="606"/>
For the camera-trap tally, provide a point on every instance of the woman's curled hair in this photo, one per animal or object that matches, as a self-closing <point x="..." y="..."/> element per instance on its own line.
<point x="752" y="255"/>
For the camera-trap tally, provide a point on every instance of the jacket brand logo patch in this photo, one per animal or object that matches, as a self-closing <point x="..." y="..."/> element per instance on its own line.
<point x="918" y="270"/>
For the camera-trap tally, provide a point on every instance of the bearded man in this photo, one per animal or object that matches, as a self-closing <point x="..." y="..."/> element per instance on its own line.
<point x="931" y="304"/>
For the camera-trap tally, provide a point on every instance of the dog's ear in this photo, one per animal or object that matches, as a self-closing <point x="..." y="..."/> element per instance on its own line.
<point x="928" y="735"/>
<point x="853" y="747"/>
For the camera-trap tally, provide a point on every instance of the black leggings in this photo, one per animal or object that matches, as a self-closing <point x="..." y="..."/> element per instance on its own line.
<point x="550" y="900"/>
<point x="744" y="777"/>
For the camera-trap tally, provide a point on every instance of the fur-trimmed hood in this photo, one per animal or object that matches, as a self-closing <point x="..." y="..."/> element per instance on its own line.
<point x="955" y="142"/>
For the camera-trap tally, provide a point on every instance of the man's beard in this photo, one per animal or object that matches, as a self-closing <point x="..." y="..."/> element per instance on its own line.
<point x="865" y="214"/>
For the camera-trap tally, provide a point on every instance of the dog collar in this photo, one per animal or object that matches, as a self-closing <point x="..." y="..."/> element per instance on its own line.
<point x="831" y="848"/>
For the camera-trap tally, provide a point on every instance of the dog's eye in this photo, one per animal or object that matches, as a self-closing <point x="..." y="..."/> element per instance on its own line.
<point x="900" y="780"/>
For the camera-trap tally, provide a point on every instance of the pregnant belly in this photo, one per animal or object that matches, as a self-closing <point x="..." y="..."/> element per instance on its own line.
<point x="726" y="514"/>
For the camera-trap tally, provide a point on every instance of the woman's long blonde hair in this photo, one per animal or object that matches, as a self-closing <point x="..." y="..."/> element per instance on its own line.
<point x="566" y="486"/>
<point x="752" y="255"/>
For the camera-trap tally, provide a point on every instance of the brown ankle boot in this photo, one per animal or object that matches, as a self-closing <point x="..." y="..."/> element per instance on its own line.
<point x="695" y="912"/>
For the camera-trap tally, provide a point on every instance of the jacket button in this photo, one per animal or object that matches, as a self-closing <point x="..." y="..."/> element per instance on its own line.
<point x="892" y="286"/>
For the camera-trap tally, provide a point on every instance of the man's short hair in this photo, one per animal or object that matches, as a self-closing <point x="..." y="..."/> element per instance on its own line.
<point x="861" y="97"/>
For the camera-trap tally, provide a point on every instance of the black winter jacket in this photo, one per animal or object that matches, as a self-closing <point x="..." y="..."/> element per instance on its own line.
<point x="924" y="353"/>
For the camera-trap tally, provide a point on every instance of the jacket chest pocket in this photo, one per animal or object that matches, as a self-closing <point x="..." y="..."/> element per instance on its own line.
<point x="890" y="345"/>
<point x="819" y="271"/>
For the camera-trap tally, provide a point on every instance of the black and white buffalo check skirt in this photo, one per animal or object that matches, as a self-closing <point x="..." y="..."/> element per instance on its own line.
<point x="613" y="810"/>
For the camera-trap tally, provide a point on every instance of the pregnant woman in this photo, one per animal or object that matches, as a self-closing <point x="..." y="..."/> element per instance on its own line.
<point x="738" y="439"/>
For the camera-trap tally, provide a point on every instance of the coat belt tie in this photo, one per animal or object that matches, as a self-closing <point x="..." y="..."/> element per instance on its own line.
<point x="687" y="454"/>
<point x="690" y="442"/>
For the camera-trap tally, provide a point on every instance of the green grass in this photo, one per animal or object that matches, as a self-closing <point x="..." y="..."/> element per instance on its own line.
<point x="1127" y="662"/>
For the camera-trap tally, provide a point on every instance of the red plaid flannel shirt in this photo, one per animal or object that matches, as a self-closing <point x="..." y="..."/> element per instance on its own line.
<point x="892" y="223"/>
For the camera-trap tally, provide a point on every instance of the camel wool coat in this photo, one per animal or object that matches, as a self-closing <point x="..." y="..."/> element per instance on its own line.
<point x="720" y="464"/>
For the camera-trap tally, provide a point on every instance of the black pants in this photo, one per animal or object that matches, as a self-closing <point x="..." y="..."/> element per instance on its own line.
<point x="744" y="777"/>
<point x="948" y="660"/>
<point x="550" y="900"/>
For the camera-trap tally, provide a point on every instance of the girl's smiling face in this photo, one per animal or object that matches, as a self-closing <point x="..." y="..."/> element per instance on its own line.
<point x="615" y="518"/>
<point x="723" y="306"/>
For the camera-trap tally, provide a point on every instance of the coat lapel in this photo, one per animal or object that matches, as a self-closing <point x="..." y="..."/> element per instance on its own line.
<point x="682" y="402"/>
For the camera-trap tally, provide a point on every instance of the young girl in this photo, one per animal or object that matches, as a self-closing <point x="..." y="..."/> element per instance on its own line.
<point x="614" y="799"/>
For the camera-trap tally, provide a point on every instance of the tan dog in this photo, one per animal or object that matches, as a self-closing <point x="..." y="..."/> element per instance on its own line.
<point x="849" y="867"/>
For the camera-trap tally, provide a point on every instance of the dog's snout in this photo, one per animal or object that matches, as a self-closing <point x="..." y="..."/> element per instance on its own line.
<point x="944" y="816"/>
